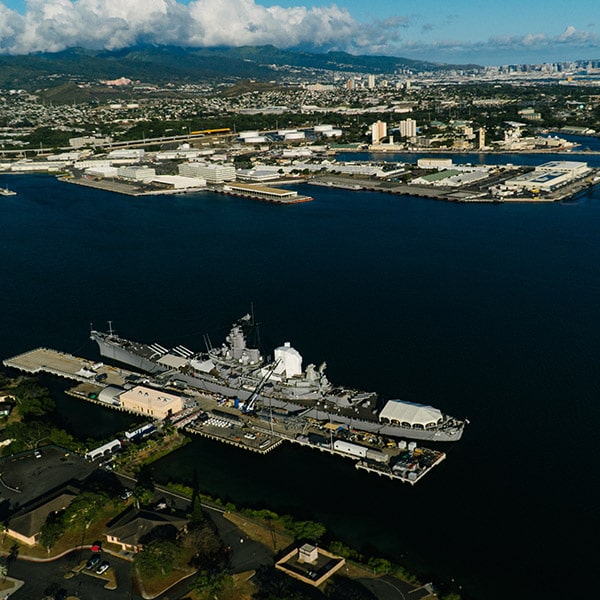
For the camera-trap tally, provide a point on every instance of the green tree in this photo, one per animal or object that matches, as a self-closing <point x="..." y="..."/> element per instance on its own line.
<point x="142" y="496"/>
<point x="85" y="508"/>
<point x="207" y="546"/>
<point x="306" y="530"/>
<point x="158" y="555"/>
<point x="26" y="435"/>
<point x="61" y="438"/>
<point x="33" y="400"/>
<point x="344" y="551"/>
<point x="52" y="530"/>
<point x="210" y="582"/>
<point x="379" y="565"/>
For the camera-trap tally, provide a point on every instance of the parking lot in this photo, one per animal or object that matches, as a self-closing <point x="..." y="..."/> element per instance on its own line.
<point x="24" y="477"/>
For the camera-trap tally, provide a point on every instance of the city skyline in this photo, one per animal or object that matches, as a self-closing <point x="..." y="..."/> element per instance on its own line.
<point x="470" y="32"/>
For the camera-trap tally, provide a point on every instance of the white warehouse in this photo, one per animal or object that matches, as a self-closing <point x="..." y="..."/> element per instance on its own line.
<point x="211" y="173"/>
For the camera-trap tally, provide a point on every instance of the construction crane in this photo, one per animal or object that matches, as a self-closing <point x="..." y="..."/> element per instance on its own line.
<point x="248" y="406"/>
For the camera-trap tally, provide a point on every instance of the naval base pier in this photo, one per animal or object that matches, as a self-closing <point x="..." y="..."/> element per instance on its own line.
<point x="214" y="417"/>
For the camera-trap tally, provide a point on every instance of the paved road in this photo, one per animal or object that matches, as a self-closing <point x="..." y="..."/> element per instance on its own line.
<point x="390" y="588"/>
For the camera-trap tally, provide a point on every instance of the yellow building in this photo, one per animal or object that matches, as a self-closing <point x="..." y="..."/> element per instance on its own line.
<point x="148" y="401"/>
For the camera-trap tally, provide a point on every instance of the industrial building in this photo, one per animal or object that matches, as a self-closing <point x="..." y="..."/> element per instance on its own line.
<point x="435" y="163"/>
<point x="136" y="173"/>
<point x="127" y="153"/>
<point x="549" y="176"/>
<point x="101" y="171"/>
<point x="148" y="401"/>
<point x="178" y="182"/>
<point x="212" y="173"/>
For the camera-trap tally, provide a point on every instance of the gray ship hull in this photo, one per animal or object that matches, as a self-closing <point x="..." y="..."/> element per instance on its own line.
<point x="121" y="354"/>
<point x="130" y="353"/>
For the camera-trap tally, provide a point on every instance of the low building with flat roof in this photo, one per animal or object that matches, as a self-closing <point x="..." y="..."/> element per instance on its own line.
<point x="434" y="163"/>
<point x="152" y="402"/>
<point x="136" y="173"/>
<point x="570" y="167"/>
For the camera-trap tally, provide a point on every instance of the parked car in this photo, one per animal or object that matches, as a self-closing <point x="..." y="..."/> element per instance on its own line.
<point x="125" y="494"/>
<point x="92" y="562"/>
<point x="96" y="546"/>
<point x="103" y="567"/>
<point x="37" y="453"/>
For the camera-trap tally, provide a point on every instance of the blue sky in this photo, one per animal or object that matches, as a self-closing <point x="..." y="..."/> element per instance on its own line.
<point x="512" y="31"/>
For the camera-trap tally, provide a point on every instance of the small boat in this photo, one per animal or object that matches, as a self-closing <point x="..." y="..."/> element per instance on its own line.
<point x="7" y="192"/>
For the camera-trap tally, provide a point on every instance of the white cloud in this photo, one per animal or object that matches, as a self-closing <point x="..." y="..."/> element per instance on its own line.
<point x="52" y="25"/>
<point x="538" y="47"/>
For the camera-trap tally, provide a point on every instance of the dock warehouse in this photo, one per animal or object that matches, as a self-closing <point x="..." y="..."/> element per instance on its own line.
<point x="148" y="401"/>
<point x="409" y="414"/>
<point x="549" y="176"/>
<point x="257" y="191"/>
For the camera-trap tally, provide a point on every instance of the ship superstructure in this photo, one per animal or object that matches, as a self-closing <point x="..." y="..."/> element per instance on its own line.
<point x="235" y="369"/>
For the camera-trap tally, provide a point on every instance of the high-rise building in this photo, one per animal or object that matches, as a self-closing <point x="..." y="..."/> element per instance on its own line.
<point x="371" y="82"/>
<point x="408" y="128"/>
<point x="378" y="131"/>
<point x="481" y="138"/>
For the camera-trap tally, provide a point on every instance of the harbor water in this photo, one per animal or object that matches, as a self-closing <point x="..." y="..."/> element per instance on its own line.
<point x="489" y="312"/>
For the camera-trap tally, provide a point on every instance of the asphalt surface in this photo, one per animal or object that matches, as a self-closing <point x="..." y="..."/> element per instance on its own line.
<point x="43" y="578"/>
<point x="24" y="478"/>
<point x="390" y="588"/>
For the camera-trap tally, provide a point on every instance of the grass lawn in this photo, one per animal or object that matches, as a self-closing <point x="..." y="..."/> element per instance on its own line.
<point x="238" y="587"/>
<point x="6" y="584"/>
<point x="272" y="538"/>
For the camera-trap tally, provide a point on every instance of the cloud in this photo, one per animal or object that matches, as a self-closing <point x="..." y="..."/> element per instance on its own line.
<point x="570" y="43"/>
<point x="53" y="25"/>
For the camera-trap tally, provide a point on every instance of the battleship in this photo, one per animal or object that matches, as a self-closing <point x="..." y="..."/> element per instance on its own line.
<point x="236" y="370"/>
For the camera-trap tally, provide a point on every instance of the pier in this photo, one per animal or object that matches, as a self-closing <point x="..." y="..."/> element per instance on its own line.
<point x="478" y="192"/>
<point x="216" y="418"/>
<point x="61" y="364"/>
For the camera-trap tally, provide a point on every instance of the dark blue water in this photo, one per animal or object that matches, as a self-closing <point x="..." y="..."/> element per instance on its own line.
<point x="489" y="312"/>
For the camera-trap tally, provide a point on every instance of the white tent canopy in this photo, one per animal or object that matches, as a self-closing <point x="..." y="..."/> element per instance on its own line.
<point x="410" y="414"/>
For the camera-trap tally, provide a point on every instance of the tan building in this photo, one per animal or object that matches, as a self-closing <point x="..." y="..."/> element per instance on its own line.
<point x="132" y="529"/>
<point x="148" y="401"/>
<point x="378" y="131"/>
<point x="25" y="526"/>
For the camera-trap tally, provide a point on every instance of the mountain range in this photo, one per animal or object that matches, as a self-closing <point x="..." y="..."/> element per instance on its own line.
<point x="162" y="64"/>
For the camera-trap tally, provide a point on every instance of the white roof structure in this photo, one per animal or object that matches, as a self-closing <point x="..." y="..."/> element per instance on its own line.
<point x="178" y="182"/>
<point x="173" y="361"/>
<point x="205" y="366"/>
<point x="410" y="414"/>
